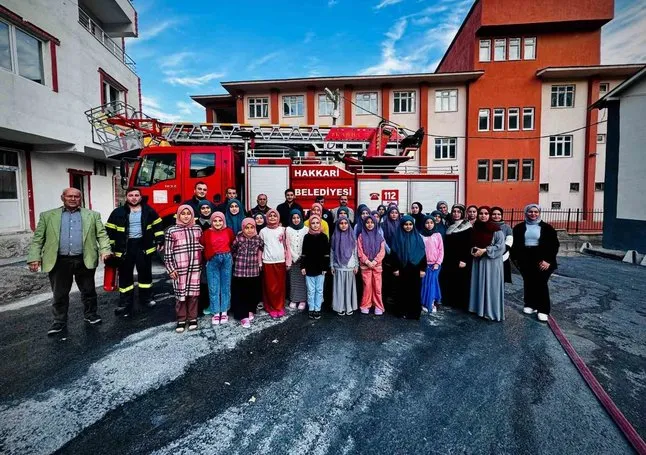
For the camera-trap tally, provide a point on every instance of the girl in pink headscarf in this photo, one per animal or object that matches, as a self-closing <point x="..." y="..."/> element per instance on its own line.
<point x="276" y="259"/>
<point x="183" y="261"/>
<point x="247" y="262"/>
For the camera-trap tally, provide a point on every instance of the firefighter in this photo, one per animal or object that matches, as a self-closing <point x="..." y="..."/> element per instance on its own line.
<point x="136" y="233"/>
<point x="199" y="195"/>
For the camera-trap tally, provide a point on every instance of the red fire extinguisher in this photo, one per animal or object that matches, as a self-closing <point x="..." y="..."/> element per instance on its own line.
<point x="110" y="278"/>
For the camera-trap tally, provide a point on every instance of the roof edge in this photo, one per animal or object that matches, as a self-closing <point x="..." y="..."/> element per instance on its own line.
<point x="612" y="95"/>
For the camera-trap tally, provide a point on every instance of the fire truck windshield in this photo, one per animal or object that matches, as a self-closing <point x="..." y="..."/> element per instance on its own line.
<point x="156" y="168"/>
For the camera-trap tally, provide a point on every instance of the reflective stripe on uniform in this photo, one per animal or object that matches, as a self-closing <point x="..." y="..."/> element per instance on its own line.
<point x="127" y="289"/>
<point x="158" y="233"/>
<point x="157" y="221"/>
<point x="117" y="254"/>
<point x="151" y="250"/>
<point x="145" y="286"/>
<point x="115" y="227"/>
<point x="113" y="241"/>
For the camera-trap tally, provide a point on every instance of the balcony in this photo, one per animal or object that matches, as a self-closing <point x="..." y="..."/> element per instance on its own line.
<point x="118" y="18"/>
<point x="104" y="39"/>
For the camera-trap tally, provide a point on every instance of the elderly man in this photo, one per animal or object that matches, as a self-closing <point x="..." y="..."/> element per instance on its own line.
<point x="261" y="206"/>
<point x="67" y="243"/>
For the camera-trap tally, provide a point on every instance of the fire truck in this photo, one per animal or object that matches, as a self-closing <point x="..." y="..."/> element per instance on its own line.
<point x="369" y="165"/>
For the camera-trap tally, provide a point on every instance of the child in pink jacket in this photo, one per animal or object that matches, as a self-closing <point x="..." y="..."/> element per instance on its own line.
<point x="431" y="294"/>
<point x="371" y="249"/>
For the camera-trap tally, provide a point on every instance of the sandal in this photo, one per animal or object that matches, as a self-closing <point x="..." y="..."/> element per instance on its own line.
<point x="181" y="325"/>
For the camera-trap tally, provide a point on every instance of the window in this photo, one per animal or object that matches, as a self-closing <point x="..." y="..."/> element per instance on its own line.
<point x="512" y="119"/>
<point x="528" y="169"/>
<point x="483" y="170"/>
<point x="326" y="106"/>
<point x="544" y="188"/>
<point x="563" y="96"/>
<point x="556" y="205"/>
<point x="528" y="118"/>
<point x="259" y="107"/>
<point x="604" y="87"/>
<point x="485" y="50"/>
<point x="498" y="170"/>
<point x="500" y="50"/>
<point x="8" y="175"/>
<point x="574" y="187"/>
<point x="560" y="146"/>
<point x="512" y="170"/>
<point x="293" y="105"/>
<point x="112" y="94"/>
<point x="514" y="48"/>
<point x="367" y="103"/>
<point x="499" y="119"/>
<point x="601" y="138"/>
<point x="156" y="168"/>
<point x="404" y="102"/>
<point x="599" y="186"/>
<point x="446" y="100"/>
<point x="530" y="49"/>
<point x="445" y="148"/>
<point x="483" y="120"/>
<point x="100" y="168"/>
<point x="202" y="165"/>
<point x="21" y="53"/>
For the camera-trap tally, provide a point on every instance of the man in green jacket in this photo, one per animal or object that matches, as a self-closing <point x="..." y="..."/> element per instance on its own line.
<point x="67" y="243"/>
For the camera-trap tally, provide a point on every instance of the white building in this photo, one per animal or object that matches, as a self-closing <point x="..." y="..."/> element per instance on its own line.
<point x="57" y="60"/>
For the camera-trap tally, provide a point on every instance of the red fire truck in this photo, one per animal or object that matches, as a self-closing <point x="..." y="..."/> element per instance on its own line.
<point x="370" y="165"/>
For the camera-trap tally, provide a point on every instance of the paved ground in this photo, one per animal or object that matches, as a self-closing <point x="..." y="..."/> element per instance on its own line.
<point x="451" y="383"/>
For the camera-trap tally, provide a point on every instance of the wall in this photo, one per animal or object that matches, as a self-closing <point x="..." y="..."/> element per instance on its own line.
<point x="459" y="55"/>
<point x="326" y="120"/>
<point x="504" y="12"/>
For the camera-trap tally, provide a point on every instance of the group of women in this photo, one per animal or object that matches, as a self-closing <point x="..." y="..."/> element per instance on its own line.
<point x="383" y="260"/>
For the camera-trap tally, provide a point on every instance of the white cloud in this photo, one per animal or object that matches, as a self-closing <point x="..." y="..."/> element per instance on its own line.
<point x="390" y="61"/>
<point x="188" y="108"/>
<point x="262" y="60"/>
<point x="175" y="59"/>
<point x="385" y="3"/>
<point x="155" y="30"/>
<point x="152" y="108"/>
<point x="193" y="81"/>
<point x="623" y="40"/>
<point x="331" y="3"/>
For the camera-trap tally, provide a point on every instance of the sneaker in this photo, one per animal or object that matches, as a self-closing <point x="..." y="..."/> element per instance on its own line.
<point x="349" y="313"/>
<point x="215" y="320"/>
<point x="280" y="313"/>
<point x="93" y="319"/>
<point x="542" y="317"/>
<point x="341" y="313"/>
<point x="310" y="314"/>
<point x="192" y="324"/>
<point x="378" y="312"/>
<point x="529" y="310"/>
<point x="317" y="315"/>
<point x="301" y="306"/>
<point x="122" y="311"/>
<point x="365" y="310"/>
<point x="207" y="312"/>
<point x="180" y="327"/>
<point x="151" y="303"/>
<point x="245" y="323"/>
<point x="57" y="327"/>
<point x="292" y="305"/>
<point x="424" y="309"/>
<point x="260" y="306"/>
<point x="224" y="318"/>
<point x="434" y="309"/>
<point x="273" y="314"/>
<point x="251" y="316"/>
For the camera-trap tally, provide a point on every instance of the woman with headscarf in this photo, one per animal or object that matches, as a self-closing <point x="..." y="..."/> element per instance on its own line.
<point x="472" y="214"/>
<point x="247" y="262"/>
<point x="260" y="221"/>
<point x="344" y="211"/>
<point x="443" y="208"/>
<point x="438" y="220"/>
<point x="389" y="226"/>
<point x="314" y="265"/>
<point x="455" y="276"/>
<point x="295" y="235"/>
<point x="276" y="259"/>
<point x="363" y="211"/>
<point x="234" y="215"/>
<point x="317" y="210"/>
<point x="217" y="242"/>
<point x="344" y="266"/>
<point x="371" y="249"/>
<point x="534" y="252"/>
<point x="183" y="261"/>
<point x="434" y="248"/>
<point x="417" y="213"/>
<point x="381" y="212"/>
<point x="205" y="211"/>
<point x="408" y="261"/>
<point x="487" y="298"/>
<point x="497" y="217"/>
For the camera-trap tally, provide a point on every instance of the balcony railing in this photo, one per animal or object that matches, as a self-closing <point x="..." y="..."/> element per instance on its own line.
<point x="104" y="39"/>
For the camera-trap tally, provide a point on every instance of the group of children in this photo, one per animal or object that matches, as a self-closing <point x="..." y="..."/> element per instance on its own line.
<point x="236" y="251"/>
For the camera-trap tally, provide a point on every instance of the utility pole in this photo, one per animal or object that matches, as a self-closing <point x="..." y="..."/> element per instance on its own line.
<point x="334" y="96"/>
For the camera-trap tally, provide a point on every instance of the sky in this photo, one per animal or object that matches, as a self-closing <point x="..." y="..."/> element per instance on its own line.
<point x="187" y="47"/>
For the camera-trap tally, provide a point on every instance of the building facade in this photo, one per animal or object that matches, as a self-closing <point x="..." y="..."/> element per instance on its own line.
<point x="511" y="112"/>
<point x="57" y="60"/>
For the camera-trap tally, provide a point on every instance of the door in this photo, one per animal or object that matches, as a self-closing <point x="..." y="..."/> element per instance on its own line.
<point x="11" y="206"/>
<point x="81" y="181"/>
<point x="269" y="180"/>
<point x="157" y="177"/>
<point x="203" y="166"/>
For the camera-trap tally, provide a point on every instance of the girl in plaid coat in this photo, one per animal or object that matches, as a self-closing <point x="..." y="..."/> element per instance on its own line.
<point x="247" y="262"/>
<point x="183" y="261"/>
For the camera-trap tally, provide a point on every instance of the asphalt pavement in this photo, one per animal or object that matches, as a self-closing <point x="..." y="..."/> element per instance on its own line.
<point x="450" y="383"/>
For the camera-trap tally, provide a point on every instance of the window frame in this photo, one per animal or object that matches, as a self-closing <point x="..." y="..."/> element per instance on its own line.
<point x="606" y="85"/>
<point x="410" y="98"/>
<point x="531" y="43"/>
<point x="518" y="42"/>
<point x="601" y="138"/>
<point x="488" y="47"/>
<point x="599" y="186"/>
<point x="14" y="59"/>
<point x="327" y="102"/>
<point x="483" y="164"/>
<point x="258" y="102"/>
<point x="447" y="95"/>
<point x="448" y="143"/>
<point x="575" y="187"/>
<point x="528" y="111"/>
<point x="362" y="110"/>
<point x="530" y="163"/>
<point x="512" y="164"/>
<point x="498" y="114"/>
<point x="488" y="117"/>
<point x="513" y="112"/>
<point x="155" y="159"/>
<point x="543" y="187"/>
<point x="556" y="90"/>
<point x="498" y="165"/>
<point x="497" y="45"/>
<point x="193" y="169"/>
<point x="293" y="101"/>
<point x="564" y="141"/>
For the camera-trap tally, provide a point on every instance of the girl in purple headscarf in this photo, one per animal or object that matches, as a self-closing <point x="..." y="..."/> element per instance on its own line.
<point x="371" y="249"/>
<point x="344" y="266"/>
